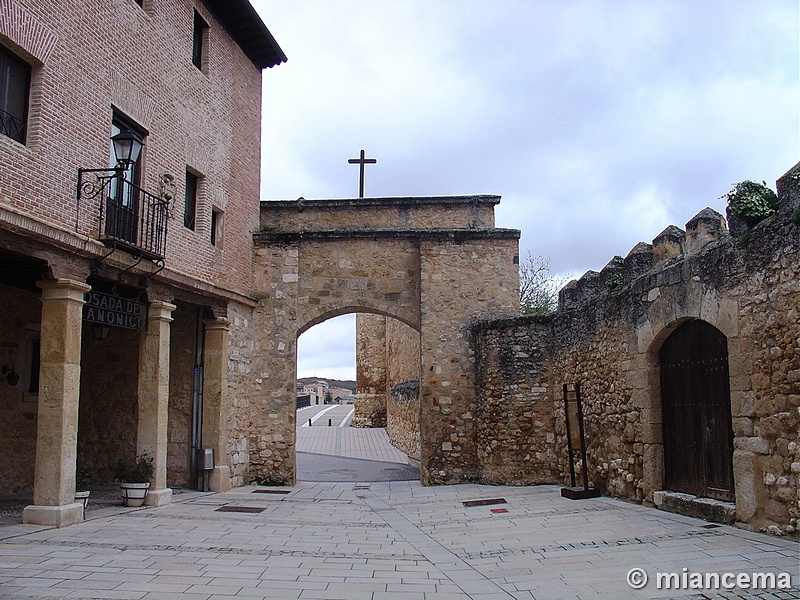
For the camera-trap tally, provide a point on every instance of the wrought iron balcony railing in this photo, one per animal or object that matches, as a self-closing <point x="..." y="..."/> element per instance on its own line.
<point x="12" y="126"/>
<point x="131" y="219"/>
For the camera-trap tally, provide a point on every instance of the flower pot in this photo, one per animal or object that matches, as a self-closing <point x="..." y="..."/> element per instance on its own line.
<point x="133" y="494"/>
<point x="82" y="498"/>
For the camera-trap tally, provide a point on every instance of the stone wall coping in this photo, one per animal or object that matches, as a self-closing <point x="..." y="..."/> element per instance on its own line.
<point x="502" y="321"/>
<point x="337" y="203"/>
<point x="456" y="234"/>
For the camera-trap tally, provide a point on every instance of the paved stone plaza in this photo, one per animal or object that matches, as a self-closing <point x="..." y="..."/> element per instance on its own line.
<point x="380" y="540"/>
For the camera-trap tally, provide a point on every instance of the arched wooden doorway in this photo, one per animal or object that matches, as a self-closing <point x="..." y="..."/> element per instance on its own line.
<point x="695" y="397"/>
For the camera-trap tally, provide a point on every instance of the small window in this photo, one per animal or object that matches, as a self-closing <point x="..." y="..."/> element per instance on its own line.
<point x="199" y="41"/>
<point x="190" y="201"/>
<point x="217" y="226"/>
<point x="15" y="82"/>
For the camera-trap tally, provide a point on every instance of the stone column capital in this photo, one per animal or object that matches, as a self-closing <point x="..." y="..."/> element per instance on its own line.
<point x="221" y="323"/>
<point x="160" y="311"/>
<point x="62" y="290"/>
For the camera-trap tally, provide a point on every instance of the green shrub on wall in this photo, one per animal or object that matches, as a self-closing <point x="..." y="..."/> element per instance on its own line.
<point x="752" y="201"/>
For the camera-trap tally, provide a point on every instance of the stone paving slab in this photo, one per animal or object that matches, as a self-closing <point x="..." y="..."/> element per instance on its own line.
<point x="383" y="540"/>
<point x="350" y="442"/>
<point x="322" y="467"/>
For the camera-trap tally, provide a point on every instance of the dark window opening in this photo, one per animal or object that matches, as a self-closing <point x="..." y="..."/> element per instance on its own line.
<point x="199" y="40"/>
<point x="217" y="221"/>
<point x="190" y="201"/>
<point x="15" y="82"/>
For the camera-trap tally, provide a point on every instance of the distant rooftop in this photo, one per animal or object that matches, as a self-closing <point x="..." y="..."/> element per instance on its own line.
<point x="242" y="22"/>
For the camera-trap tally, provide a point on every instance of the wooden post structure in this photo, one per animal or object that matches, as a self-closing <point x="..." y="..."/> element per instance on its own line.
<point x="576" y="443"/>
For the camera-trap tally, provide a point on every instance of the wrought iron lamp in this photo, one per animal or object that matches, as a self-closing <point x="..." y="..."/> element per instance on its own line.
<point x="12" y="377"/>
<point x="131" y="219"/>
<point x="100" y="331"/>
<point x="127" y="147"/>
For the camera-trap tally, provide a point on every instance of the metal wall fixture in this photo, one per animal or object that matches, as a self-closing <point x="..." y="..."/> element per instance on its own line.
<point x="12" y="377"/>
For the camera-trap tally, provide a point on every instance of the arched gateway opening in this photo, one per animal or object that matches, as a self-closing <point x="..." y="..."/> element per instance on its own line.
<point x="434" y="264"/>
<point x="695" y="397"/>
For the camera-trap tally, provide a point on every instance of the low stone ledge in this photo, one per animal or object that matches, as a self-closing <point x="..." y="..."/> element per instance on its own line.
<point x="709" y="509"/>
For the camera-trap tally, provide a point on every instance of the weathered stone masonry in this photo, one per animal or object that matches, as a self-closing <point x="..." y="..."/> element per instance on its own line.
<point x="433" y="264"/>
<point x="607" y="333"/>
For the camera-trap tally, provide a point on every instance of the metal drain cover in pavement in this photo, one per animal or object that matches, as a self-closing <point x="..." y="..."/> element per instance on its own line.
<point x="241" y="509"/>
<point x="271" y="491"/>
<point x="487" y="502"/>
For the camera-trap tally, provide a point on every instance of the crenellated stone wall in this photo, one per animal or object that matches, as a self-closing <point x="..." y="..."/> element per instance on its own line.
<point x="607" y="333"/>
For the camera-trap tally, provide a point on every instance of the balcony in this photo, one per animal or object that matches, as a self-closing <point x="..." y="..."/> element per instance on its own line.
<point x="131" y="219"/>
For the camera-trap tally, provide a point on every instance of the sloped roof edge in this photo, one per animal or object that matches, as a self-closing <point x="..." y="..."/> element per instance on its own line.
<point x="242" y="22"/>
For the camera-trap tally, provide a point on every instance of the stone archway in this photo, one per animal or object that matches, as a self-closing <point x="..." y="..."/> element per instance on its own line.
<point x="432" y="263"/>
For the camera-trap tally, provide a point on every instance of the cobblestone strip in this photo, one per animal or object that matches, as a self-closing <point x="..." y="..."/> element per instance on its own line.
<point x="469" y="580"/>
<point x="683" y="535"/>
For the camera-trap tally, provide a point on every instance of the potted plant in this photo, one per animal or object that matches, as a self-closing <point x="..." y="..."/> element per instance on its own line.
<point x="84" y="478"/>
<point x="134" y="478"/>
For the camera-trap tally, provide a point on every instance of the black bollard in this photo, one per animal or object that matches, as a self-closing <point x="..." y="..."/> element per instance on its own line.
<point x="329" y="422"/>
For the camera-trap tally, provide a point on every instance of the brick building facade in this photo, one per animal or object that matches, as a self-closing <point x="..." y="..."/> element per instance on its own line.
<point x="185" y="77"/>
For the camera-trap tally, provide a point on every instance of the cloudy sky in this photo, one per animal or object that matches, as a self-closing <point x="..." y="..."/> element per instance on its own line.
<point x="598" y="122"/>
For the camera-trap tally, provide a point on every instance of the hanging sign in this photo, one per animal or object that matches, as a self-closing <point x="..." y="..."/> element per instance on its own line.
<point x="114" y="311"/>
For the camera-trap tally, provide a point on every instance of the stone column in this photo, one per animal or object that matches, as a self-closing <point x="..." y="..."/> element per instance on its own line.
<point x="59" y="392"/>
<point x="154" y="398"/>
<point x="215" y="400"/>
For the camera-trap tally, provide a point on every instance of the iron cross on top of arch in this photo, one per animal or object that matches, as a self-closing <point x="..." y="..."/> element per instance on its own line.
<point x="361" y="161"/>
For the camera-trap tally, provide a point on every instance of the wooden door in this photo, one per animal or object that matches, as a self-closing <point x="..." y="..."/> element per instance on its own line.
<point x="696" y="406"/>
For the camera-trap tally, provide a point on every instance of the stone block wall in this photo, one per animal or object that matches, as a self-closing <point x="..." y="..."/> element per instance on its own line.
<point x="17" y="408"/>
<point x="607" y="333"/>
<point x="516" y="431"/>
<point x="462" y="281"/>
<point x="371" y="371"/>
<point x="183" y="347"/>
<point x="241" y="381"/>
<point x="108" y="409"/>
<point x="400" y="213"/>
<point x="402" y="418"/>
<point x="387" y="356"/>
<point x="402" y="353"/>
